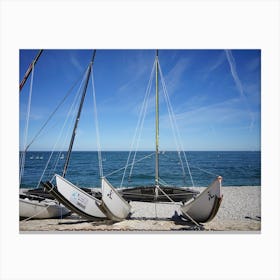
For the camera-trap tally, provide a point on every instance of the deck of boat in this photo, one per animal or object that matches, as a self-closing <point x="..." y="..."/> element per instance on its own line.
<point x="147" y="194"/>
<point x="140" y="193"/>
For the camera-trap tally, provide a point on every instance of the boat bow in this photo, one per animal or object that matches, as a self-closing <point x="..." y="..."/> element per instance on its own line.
<point x="205" y="206"/>
<point x="113" y="204"/>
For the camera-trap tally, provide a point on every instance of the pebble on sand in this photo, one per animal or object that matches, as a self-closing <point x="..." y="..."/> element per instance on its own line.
<point x="240" y="211"/>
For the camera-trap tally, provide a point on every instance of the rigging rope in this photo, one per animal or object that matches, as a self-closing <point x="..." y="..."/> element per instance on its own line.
<point x="97" y="128"/>
<point x="175" y="124"/>
<point x="148" y="91"/>
<point x="44" y="209"/>
<point x="36" y="214"/>
<point x="139" y="127"/>
<point x="163" y="183"/>
<point x="209" y="172"/>
<point x="49" y="159"/>
<point x="70" y="116"/>
<point x="22" y="163"/>
<point x="73" y="107"/>
<point x="118" y="170"/>
<point x="55" y="110"/>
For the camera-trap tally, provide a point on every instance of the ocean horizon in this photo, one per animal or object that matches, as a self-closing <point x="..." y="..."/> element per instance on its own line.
<point x="238" y="168"/>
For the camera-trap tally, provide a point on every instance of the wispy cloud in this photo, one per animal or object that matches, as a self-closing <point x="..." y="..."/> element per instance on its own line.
<point x="234" y="74"/>
<point x="212" y="66"/>
<point x="232" y="65"/>
<point x="131" y="90"/>
<point x="137" y="70"/>
<point x="213" y="119"/>
<point x="220" y="60"/>
<point x="174" y="77"/>
<point x="134" y="89"/>
<point x="216" y="113"/>
<point x="76" y="63"/>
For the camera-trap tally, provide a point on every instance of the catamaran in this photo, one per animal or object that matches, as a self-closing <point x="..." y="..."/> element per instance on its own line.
<point x="73" y="197"/>
<point x="114" y="202"/>
<point x="198" y="208"/>
<point x="76" y="199"/>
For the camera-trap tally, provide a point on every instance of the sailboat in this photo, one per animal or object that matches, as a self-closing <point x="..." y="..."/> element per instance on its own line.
<point x="147" y="194"/>
<point x="73" y="197"/>
<point x="196" y="207"/>
<point x="77" y="199"/>
<point x="114" y="203"/>
<point x="37" y="206"/>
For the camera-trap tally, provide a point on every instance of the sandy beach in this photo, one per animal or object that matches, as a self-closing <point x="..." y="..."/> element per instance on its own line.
<point x="240" y="211"/>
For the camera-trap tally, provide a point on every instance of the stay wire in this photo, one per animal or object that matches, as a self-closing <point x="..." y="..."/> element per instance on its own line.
<point x="206" y="171"/>
<point x="97" y="128"/>
<point x="55" y="110"/>
<point x="118" y="170"/>
<point x="143" y="119"/>
<point x="22" y="163"/>
<point x="73" y="108"/>
<point x="60" y="135"/>
<point x="139" y="124"/>
<point x="176" y="127"/>
<point x="171" y="119"/>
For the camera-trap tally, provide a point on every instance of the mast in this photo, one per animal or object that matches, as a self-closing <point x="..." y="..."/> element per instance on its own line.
<point x="27" y="73"/>
<point x="78" y="116"/>
<point x="157" y="126"/>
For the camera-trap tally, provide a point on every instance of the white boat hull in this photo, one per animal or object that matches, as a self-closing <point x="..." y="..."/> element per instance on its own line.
<point x="79" y="198"/>
<point x="205" y="206"/>
<point x="115" y="207"/>
<point x="45" y="209"/>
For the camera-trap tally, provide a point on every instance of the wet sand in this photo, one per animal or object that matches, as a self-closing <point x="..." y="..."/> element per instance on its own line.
<point x="240" y="211"/>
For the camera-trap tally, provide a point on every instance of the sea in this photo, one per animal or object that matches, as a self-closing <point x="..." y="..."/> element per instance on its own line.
<point x="238" y="168"/>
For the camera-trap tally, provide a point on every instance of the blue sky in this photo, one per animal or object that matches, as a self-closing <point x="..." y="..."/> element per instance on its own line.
<point x="215" y="95"/>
